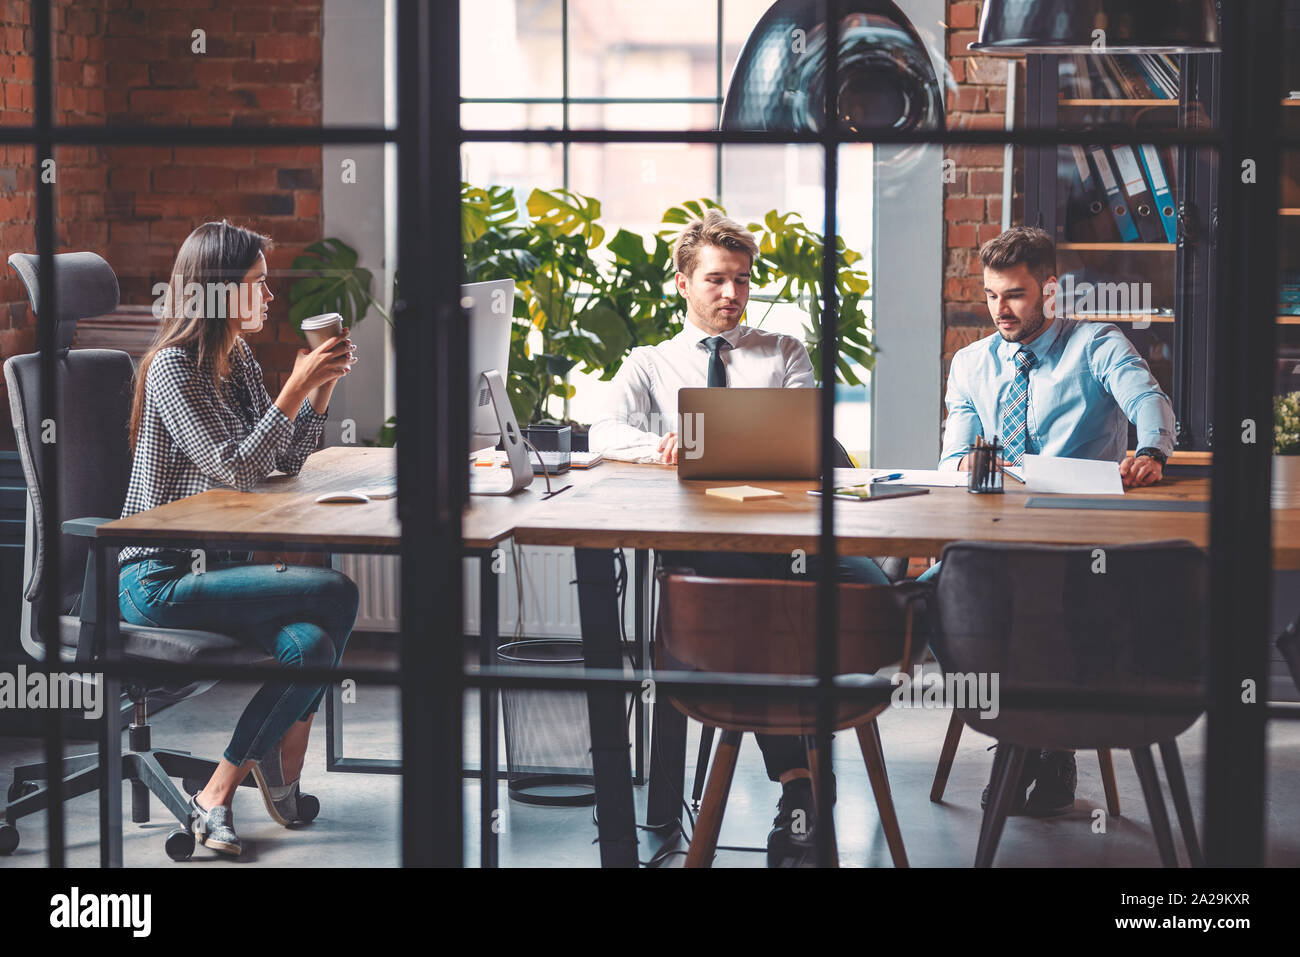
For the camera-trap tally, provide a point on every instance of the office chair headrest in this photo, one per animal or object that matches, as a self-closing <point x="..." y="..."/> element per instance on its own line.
<point x="84" y="286"/>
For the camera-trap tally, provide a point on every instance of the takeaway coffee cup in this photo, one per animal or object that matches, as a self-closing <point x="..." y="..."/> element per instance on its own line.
<point x="320" y="329"/>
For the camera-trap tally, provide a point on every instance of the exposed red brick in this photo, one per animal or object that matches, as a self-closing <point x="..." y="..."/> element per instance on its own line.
<point x="963" y="15"/>
<point x="131" y="61"/>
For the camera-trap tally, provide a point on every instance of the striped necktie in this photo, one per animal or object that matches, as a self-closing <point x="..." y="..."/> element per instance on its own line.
<point x="717" y="371"/>
<point x="1014" y="416"/>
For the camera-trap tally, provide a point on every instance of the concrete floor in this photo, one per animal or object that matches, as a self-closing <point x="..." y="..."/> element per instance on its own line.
<point x="358" y="825"/>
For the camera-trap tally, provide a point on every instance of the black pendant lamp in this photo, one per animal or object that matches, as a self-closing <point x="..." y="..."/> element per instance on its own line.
<point x="1013" y="27"/>
<point x="885" y="78"/>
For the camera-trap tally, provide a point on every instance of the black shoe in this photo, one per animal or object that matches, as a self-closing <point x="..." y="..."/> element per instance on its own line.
<point x="793" y="838"/>
<point x="1057" y="778"/>
<point x="1027" y="775"/>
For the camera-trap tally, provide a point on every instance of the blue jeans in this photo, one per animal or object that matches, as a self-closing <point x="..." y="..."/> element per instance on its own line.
<point x="300" y="616"/>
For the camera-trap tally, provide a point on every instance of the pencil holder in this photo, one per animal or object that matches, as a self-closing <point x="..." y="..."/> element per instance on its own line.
<point x="985" y="472"/>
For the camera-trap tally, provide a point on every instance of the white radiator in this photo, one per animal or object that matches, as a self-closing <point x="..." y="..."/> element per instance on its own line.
<point x="550" y="602"/>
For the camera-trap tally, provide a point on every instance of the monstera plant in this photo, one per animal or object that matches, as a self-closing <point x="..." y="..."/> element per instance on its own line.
<point x="584" y="299"/>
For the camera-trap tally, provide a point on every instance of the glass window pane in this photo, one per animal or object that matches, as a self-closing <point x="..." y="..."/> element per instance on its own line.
<point x="616" y="49"/>
<point x="511" y="48"/>
<point x="512" y="116"/>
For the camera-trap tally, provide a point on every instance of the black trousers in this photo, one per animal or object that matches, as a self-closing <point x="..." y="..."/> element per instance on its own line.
<point x="781" y="753"/>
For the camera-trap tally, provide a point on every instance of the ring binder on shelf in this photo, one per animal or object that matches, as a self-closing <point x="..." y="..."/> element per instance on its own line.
<point x="1155" y="170"/>
<point x="1128" y="230"/>
<point x="1142" y="204"/>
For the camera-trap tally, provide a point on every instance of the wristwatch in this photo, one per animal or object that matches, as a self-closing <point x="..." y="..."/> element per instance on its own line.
<point x="1152" y="452"/>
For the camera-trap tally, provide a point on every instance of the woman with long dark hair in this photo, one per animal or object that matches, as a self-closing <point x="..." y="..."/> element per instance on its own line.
<point x="202" y="418"/>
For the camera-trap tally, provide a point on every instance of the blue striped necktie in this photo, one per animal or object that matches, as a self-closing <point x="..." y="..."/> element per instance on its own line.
<point x="1014" y="424"/>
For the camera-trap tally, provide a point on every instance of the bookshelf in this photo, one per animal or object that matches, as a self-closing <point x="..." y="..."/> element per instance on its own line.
<point x="1168" y="254"/>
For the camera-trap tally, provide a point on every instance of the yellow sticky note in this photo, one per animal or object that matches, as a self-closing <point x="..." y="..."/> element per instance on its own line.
<point x="742" y="493"/>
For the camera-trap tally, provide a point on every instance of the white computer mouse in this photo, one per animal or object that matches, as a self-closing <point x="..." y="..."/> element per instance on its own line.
<point x="343" y="498"/>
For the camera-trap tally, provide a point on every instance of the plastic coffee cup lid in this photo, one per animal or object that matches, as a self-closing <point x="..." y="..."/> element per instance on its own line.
<point x="322" y="322"/>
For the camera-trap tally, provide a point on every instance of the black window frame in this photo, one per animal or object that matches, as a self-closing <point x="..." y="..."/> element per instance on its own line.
<point x="430" y="322"/>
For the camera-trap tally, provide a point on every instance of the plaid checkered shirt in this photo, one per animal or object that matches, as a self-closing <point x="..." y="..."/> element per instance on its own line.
<point x="195" y="436"/>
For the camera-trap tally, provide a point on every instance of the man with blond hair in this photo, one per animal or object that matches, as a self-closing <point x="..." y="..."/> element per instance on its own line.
<point x="713" y="257"/>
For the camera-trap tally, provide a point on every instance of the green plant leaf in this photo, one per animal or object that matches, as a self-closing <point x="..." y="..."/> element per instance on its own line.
<point x="567" y="213"/>
<point x="485" y="209"/>
<point x="610" y="332"/>
<point x="331" y="282"/>
<point x="690" y="210"/>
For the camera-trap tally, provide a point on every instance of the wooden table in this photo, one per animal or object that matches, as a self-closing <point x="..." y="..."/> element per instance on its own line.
<point x="641" y="507"/>
<point x="647" y="507"/>
<point x="281" y="513"/>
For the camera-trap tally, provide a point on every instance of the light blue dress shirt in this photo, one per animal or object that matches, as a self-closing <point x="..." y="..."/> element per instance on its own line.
<point x="1088" y="384"/>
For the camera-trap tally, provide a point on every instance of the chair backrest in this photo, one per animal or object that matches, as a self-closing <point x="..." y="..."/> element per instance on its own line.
<point x="768" y="627"/>
<point x="84" y="286"/>
<point x="1120" y="619"/>
<point x="89" y="428"/>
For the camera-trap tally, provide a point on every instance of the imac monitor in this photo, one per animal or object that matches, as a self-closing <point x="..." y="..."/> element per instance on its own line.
<point x="491" y="306"/>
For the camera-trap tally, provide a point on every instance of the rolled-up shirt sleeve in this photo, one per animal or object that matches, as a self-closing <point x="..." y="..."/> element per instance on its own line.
<point x="799" y="372"/>
<point x="963" y="422"/>
<point x="1125" y="375"/>
<point x="186" y="405"/>
<point x="308" y="424"/>
<point x="625" y="422"/>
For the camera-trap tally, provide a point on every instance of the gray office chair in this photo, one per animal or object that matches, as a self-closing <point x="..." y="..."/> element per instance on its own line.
<point x="94" y="406"/>
<point x="1043" y="620"/>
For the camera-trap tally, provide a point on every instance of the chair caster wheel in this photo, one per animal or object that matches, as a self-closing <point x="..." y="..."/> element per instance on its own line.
<point x="180" y="844"/>
<point x="192" y="786"/>
<point x="8" y="839"/>
<point x="20" y="789"/>
<point x="308" y="808"/>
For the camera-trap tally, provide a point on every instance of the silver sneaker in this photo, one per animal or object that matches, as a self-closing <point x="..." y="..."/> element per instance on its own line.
<point x="284" y="802"/>
<point x="215" y="827"/>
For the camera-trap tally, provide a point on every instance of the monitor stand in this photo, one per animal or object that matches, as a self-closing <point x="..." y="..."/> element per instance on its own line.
<point x="521" y="472"/>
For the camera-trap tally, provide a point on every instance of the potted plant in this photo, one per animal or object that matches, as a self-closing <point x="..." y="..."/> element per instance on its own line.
<point x="1286" y="451"/>
<point x="582" y="301"/>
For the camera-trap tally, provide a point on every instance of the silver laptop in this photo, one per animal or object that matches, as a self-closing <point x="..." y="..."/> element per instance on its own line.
<point x="749" y="433"/>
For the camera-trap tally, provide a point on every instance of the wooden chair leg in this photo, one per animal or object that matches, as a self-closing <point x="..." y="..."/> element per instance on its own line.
<point x="1182" y="803"/>
<point x="1008" y="764"/>
<point x="945" y="758"/>
<point x="1108" y="781"/>
<point x="825" y="809"/>
<point x="874" y="756"/>
<point x="704" y="842"/>
<point x="1146" y="772"/>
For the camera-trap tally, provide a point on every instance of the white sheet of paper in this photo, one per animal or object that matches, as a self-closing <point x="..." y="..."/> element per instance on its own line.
<point x="1047" y="473"/>
<point x="929" y="477"/>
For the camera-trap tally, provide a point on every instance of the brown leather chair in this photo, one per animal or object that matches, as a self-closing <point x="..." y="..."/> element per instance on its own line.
<point x="767" y="627"/>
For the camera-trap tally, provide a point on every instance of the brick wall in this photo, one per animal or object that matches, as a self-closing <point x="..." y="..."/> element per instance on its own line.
<point x="79" y="98"/>
<point x="973" y="203"/>
<point x="133" y="61"/>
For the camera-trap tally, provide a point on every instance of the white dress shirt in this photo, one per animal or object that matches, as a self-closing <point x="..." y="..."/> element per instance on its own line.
<point x="645" y="387"/>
